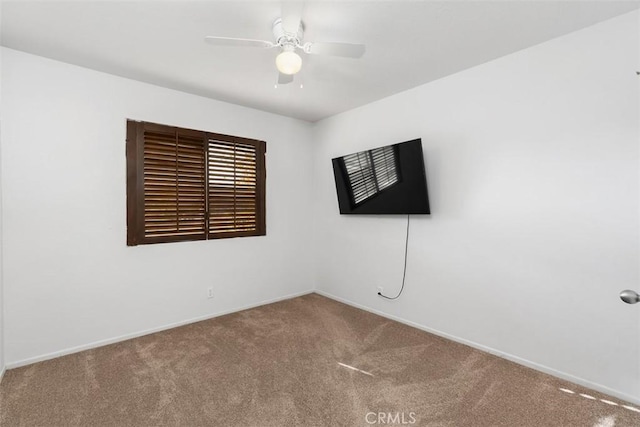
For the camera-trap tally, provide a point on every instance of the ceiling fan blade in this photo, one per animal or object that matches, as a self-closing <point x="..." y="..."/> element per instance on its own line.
<point x="284" y="79"/>
<point x="347" y="50"/>
<point x="234" y="42"/>
<point x="291" y="16"/>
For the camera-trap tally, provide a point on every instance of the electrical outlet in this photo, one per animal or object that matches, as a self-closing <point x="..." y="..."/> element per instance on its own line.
<point x="209" y="292"/>
<point x="380" y="290"/>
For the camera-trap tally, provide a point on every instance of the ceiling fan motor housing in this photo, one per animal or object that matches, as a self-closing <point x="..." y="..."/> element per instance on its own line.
<point x="284" y="38"/>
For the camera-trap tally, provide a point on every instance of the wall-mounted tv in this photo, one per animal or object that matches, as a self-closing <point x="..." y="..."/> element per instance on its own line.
<point x="384" y="180"/>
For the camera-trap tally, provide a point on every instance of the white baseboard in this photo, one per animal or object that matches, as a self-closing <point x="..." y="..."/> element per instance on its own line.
<point x="2" y="371"/>
<point x="501" y="354"/>
<point x="126" y="337"/>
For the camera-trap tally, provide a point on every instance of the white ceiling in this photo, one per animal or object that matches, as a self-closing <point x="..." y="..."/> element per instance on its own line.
<point x="409" y="43"/>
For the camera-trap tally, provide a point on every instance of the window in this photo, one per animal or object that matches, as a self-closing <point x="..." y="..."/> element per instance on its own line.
<point x="184" y="184"/>
<point x="371" y="171"/>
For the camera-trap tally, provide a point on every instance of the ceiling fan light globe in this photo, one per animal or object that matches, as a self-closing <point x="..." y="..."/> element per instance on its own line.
<point x="288" y="62"/>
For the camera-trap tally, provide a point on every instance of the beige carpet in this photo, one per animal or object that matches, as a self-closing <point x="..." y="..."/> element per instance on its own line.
<point x="293" y="363"/>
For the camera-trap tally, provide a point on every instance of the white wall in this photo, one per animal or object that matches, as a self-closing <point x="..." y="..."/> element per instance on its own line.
<point x="69" y="276"/>
<point x="2" y="367"/>
<point x="532" y="168"/>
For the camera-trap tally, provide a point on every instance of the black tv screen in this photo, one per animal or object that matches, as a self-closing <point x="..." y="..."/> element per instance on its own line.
<point x="384" y="180"/>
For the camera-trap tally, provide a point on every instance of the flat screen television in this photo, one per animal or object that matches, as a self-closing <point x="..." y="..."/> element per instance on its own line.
<point x="384" y="180"/>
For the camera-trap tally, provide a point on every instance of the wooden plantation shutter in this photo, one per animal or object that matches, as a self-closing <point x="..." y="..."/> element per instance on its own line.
<point x="174" y="184"/>
<point x="184" y="184"/>
<point x="235" y="202"/>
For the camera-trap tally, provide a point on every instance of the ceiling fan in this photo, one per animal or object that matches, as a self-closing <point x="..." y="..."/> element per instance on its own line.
<point x="288" y="33"/>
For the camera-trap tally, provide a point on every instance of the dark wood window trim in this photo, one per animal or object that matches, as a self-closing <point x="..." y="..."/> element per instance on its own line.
<point x="185" y="185"/>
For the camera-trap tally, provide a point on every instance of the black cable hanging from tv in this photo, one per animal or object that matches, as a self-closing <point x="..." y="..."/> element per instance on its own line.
<point x="404" y="273"/>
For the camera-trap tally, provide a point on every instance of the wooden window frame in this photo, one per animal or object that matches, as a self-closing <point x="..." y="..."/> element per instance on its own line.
<point x="135" y="155"/>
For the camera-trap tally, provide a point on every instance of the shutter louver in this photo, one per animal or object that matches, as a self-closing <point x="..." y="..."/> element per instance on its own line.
<point x="174" y="185"/>
<point x="233" y="195"/>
